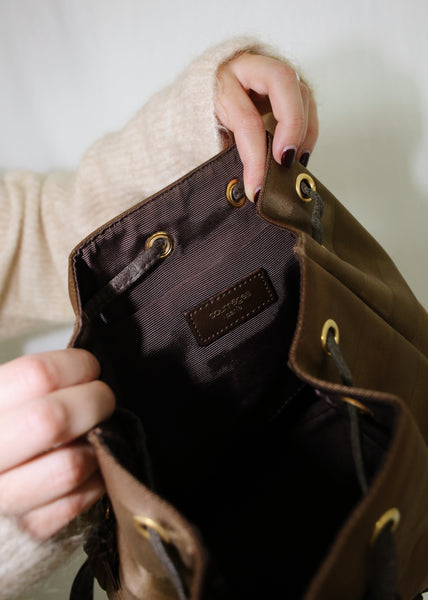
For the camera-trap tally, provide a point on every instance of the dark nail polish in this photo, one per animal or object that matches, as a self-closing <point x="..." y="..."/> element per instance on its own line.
<point x="256" y="194"/>
<point x="304" y="159"/>
<point x="288" y="156"/>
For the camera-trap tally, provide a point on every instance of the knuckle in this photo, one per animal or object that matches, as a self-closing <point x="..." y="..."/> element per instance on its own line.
<point x="48" y="419"/>
<point x="39" y="524"/>
<point x="72" y="470"/>
<point x="296" y="123"/>
<point x="284" y="71"/>
<point x="76" y="504"/>
<point x="71" y="508"/>
<point x="31" y="525"/>
<point x="38" y="373"/>
<point x="42" y="523"/>
<point x="250" y="121"/>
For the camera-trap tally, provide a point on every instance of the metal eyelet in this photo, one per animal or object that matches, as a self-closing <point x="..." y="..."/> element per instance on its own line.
<point x="167" y="239"/>
<point x="143" y="524"/>
<point x="358" y="405"/>
<point x="392" y="516"/>
<point x="308" y="179"/>
<point x="329" y="324"/>
<point x="235" y="194"/>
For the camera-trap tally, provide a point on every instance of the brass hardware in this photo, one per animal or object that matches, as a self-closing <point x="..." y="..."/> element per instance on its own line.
<point x="235" y="202"/>
<point x="308" y="179"/>
<point x="361" y="407"/>
<point x="329" y="324"/>
<point x="143" y="524"/>
<point x="390" y="516"/>
<point x="168" y="242"/>
<point x="108" y="510"/>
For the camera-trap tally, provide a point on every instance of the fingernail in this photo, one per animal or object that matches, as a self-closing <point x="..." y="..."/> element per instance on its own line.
<point x="288" y="156"/>
<point x="304" y="159"/>
<point x="257" y="193"/>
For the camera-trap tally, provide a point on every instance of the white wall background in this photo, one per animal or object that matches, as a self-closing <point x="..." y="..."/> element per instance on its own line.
<point x="70" y="70"/>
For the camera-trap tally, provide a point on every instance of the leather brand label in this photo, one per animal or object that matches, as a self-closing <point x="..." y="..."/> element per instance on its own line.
<point x="224" y="311"/>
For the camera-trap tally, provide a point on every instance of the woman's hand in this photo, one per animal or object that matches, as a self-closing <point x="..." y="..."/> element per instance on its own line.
<point x="48" y="472"/>
<point x="252" y="85"/>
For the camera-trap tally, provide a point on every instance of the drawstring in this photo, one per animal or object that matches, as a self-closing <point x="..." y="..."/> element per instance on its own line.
<point x="148" y="258"/>
<point x="161" y="552"/>
<point x="336" y="354"/>
<point x="383" y="578"/>
<point x="345" y="374"/>
<point x="83" y="584"/>
<point x="333" y="347"/>
<point x="317" y="211"/>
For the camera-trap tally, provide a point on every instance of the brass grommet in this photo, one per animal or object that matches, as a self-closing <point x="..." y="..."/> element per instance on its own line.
<point x="167" y="239"/>
<point x="329" y="324"/>
<point x="230" y="195"/>
<point x="392" y="516"/>
<point x="359" y="405"/>
<point x="143" y="524"/>
<point x="309" y="181"/>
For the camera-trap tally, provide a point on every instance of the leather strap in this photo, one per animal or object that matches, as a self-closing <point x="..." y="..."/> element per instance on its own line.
<point x="83" y="584"/>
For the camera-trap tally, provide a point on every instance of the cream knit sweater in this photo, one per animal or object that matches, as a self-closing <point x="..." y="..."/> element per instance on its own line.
<point x="45" y="216"/>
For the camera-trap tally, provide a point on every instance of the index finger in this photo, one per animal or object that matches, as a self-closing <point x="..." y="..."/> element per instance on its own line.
<point x="31" y="429"/>
<point x="35" y="375"/>
<point x="279" y="82"/>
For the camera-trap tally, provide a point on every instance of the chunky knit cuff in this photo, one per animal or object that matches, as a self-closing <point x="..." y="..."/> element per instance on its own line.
<point x="25" y="561"/>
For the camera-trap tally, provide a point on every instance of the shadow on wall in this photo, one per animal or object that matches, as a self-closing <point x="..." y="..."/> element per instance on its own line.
<point x="367" y="153"/>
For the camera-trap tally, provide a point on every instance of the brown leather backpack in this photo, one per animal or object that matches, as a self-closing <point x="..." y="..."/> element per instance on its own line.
<point x="271" y="370"/>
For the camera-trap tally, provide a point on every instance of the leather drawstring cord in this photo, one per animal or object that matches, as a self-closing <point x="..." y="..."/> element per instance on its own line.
<point x="317" y="211"/>
<point x="345" y="374"/>
<point x="383" y="581"/>
<point x="161" y="552"/>
<point x="333" y="347"/>
<point x="147" y="259"/>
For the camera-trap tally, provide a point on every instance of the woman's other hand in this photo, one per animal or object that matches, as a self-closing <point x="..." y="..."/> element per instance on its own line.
<point x="48" y="471"/>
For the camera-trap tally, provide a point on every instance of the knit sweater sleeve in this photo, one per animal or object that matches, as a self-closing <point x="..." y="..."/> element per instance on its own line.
<point x="25" y="562"/>
<point x="45" y="216"/>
